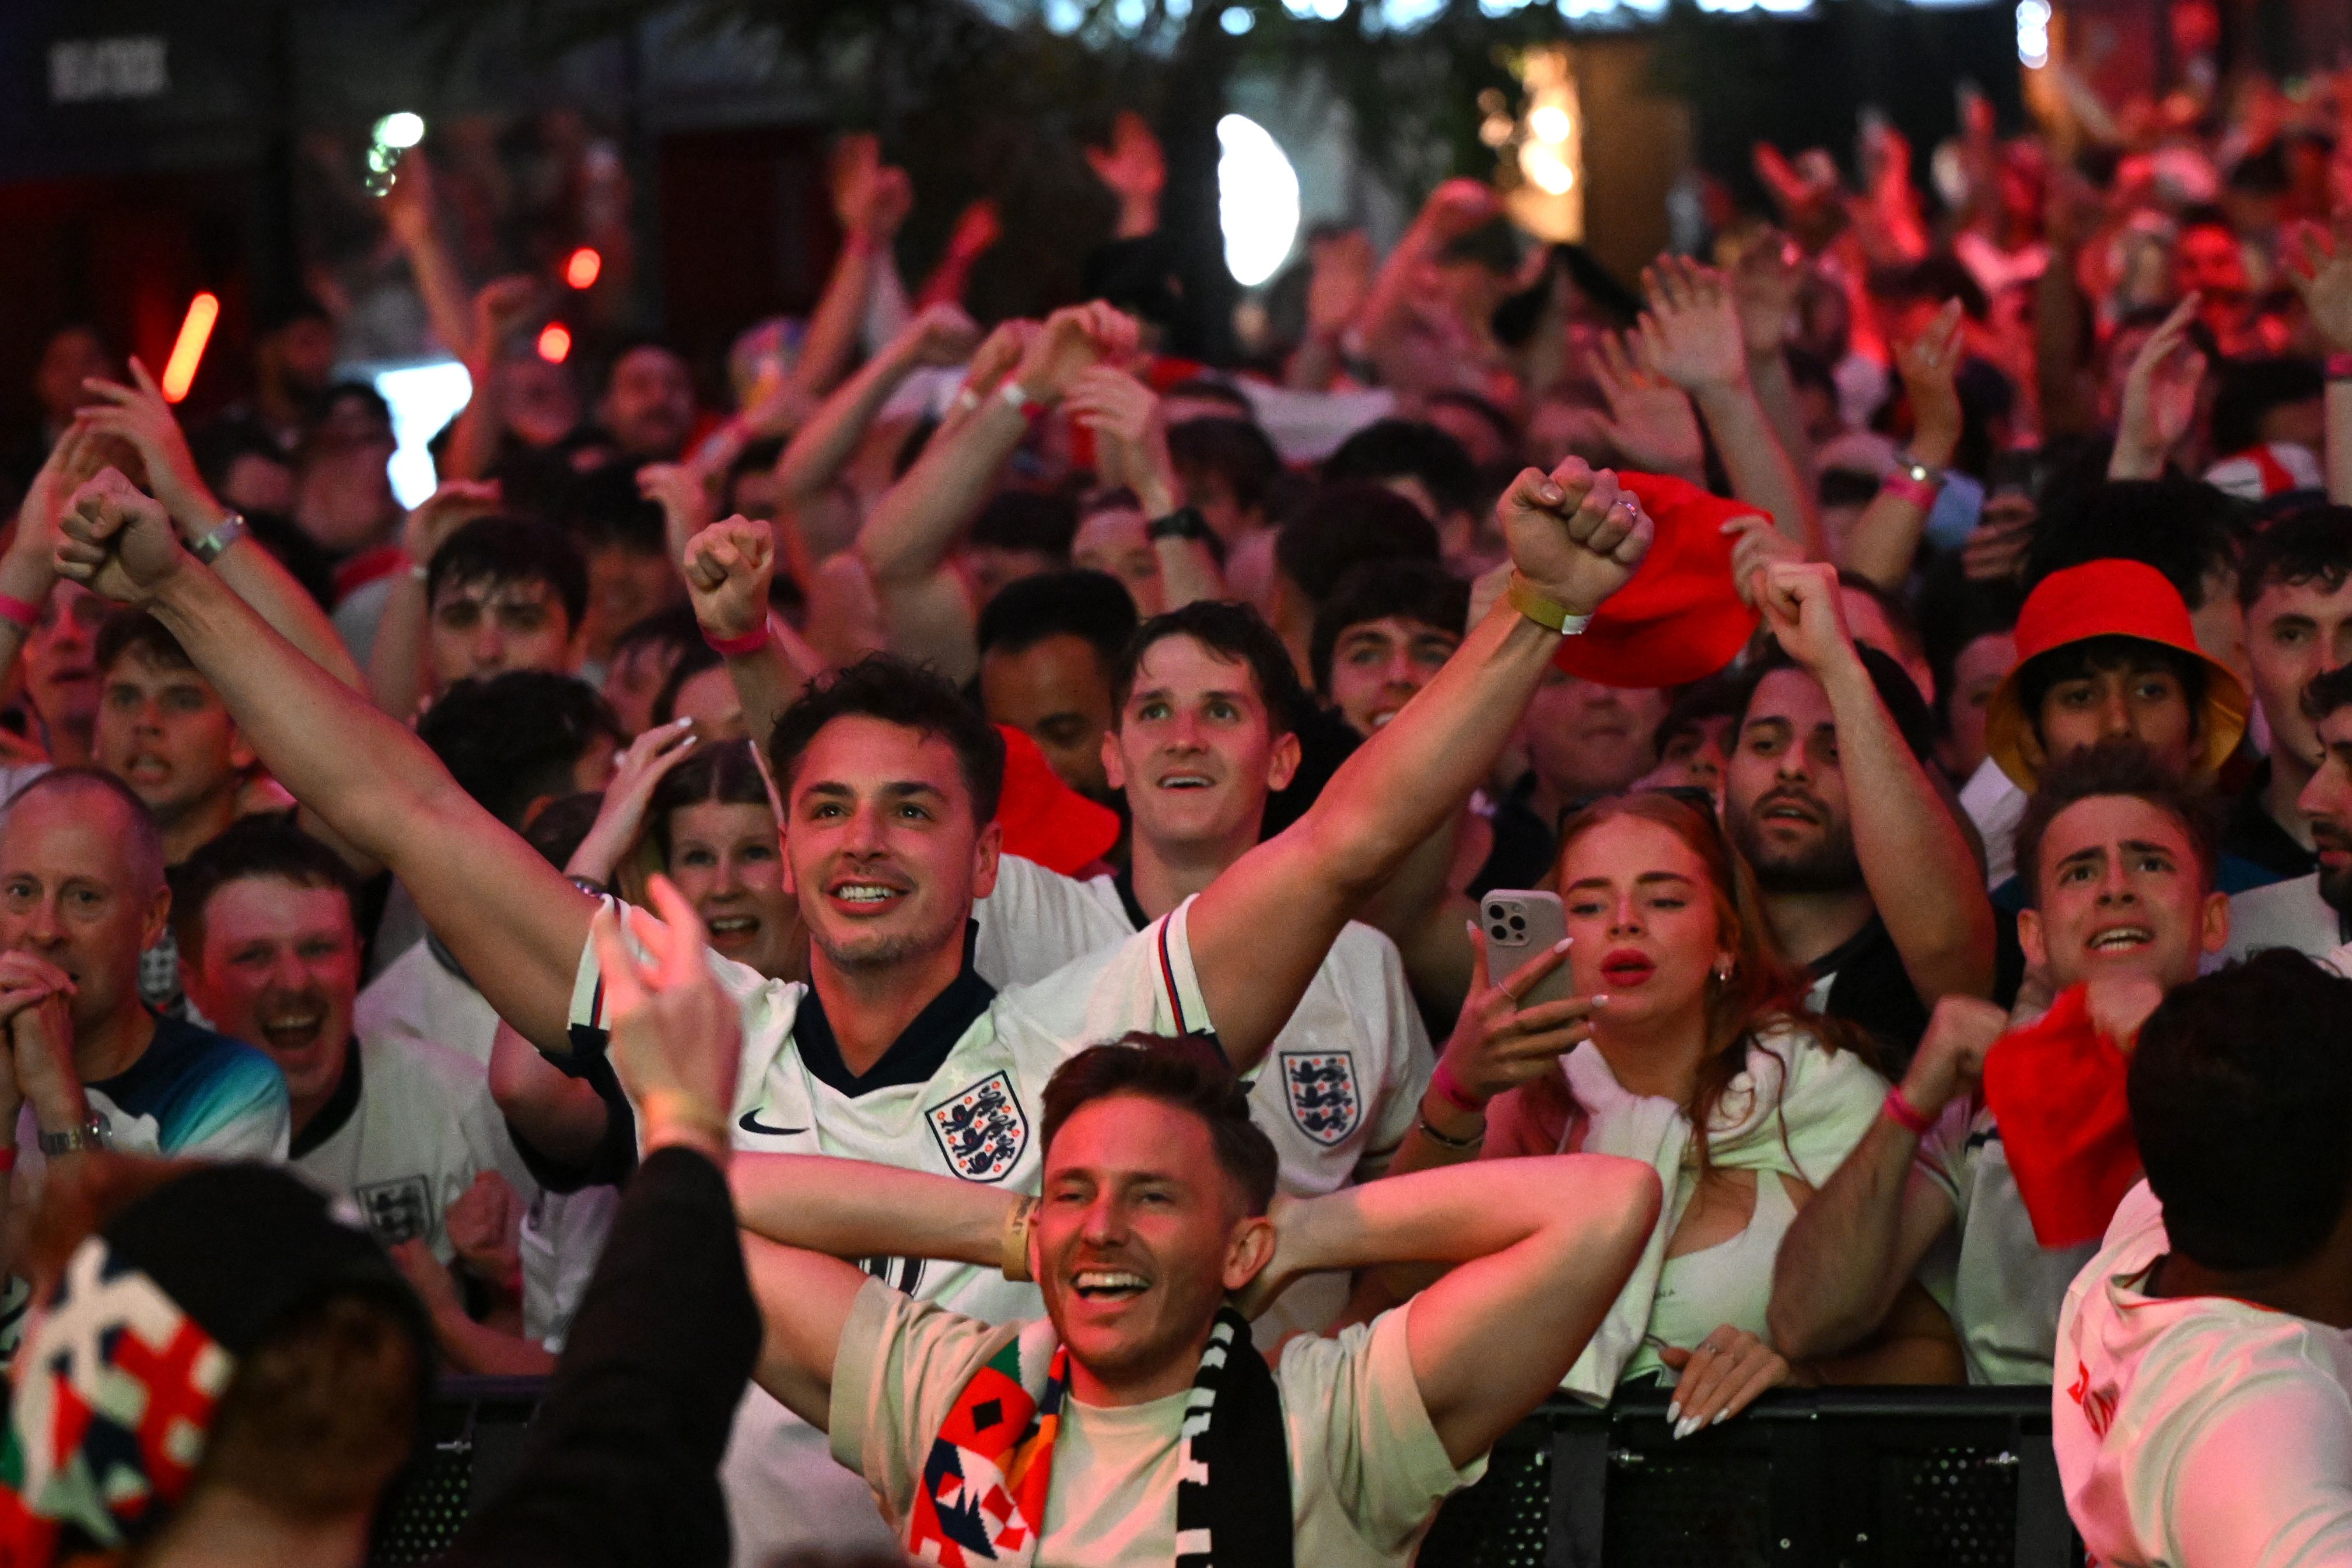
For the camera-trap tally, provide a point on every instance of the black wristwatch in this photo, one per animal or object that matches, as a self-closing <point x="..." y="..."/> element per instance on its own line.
<point x="1185" y="522"/>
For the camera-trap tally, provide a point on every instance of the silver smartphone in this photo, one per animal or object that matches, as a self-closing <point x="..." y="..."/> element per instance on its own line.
<point x="1520" y="925"/>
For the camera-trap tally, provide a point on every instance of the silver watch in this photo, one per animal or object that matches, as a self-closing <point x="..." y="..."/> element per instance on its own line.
<point x="210" y="548"/>
<point x="1917" y="473"/>
<point x="94" y="1134"/>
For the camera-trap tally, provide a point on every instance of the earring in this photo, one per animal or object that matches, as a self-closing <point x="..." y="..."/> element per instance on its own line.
<point x="1722" y="973"/>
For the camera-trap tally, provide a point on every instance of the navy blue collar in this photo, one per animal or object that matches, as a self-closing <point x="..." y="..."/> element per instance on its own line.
<point x="917" y="1053"/>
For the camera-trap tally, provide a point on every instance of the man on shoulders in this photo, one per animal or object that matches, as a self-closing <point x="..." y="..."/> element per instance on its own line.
<point x="2232" y="1255"/>
<point x="1159" y="1205"/>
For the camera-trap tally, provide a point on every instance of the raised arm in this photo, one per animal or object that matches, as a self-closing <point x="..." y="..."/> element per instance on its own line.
<point x="139" y="415"/>
<point x="1885" y="537"/>
<point x="2322" y="273"/>
<point x="1850" y="1250"/>
<point x="1540" y="1258"/>
<point x="1259" y="931"/>
<point x="823" y="444"/>
<point x="1131" y="449"/>
<point x="728" y="567"/>
<point x="475" y="434"/>
<point x="512" y="920"/>
<point x="1917" y="863"/>
<point x="907" y="536"/>
<point x="1690" y="334"/>
<point x="2159" y="397"/>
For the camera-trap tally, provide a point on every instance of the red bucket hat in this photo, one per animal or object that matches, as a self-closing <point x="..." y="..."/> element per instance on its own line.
<point x="1681" y="618"/>
<point x="1045" y="819"/>
<point x="2101" y="599"/>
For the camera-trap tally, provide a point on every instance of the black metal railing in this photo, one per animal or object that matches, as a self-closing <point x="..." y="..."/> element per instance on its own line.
<point x="1861" y="1478"/>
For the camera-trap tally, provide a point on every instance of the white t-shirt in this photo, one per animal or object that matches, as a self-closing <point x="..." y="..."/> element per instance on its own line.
<point x="1994" y="803"/>
<point x="407" y="1138"/>
<point x="1340" y="1086"/>
<point x="1367" y="1469"/>
<point x="562" y="1237"/>
<point x="2284" y="914"/>
<point x="418" y="997"/>
<point x="2198" y="1431"/>
<point x="2000" y="1286"/>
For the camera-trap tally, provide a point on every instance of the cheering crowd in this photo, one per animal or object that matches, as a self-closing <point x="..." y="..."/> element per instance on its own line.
<point x="959" y="934"/>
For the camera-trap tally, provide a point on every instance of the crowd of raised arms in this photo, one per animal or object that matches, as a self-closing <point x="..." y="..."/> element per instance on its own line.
<point x="949" y="949"/>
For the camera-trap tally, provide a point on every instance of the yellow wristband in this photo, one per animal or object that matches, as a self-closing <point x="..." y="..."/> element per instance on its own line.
<point x="1545" y="613"/>
<point x="1013" y="1245"/>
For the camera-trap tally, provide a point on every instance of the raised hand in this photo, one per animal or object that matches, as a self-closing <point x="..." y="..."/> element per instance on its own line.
<point x="1005" y="346"/>
<point x="938" y="335"/>
<point x="728" y="567"/>
<point x="1075" y="337"/>
<point x="1650" y="421"/>
<point x="453" y="504"/>
<point x="1757" y="546"/>
<point x="639" y="769"/>
<point x="1950" y="1058"/>
<point x="1764" y="287"/>
<point x="1339" y="284"/>
<point x="1929" y="365"/>
<point x="682" y="490"/>
<point x="501" y="306"/>
<point x="1132" y="167"/>
<point x="677" y="1037"/>
<point x="117" y="540"/>
<point x="138" y="415"/>
<point x="1801" y="604"/>
<point x="1574" y="535"/>
<point x="2159" y="397"/>
<point x="1124" y="415"/>
<point x="2320" y="264"/>
<point x="1691" y="333"/>
<point x="1456" y="208"/>
<point x="1498" y="1044"/>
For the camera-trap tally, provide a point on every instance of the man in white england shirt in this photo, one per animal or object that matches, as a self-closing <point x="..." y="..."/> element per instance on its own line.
<point x="896" y="1051"/>
<point x="2202" y="1413"/>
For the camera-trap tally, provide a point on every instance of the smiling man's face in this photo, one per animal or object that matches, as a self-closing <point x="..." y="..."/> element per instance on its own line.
<point x="280" y="971"/>
<point x="2121" y="891"/>
<point x="880" y="843"/>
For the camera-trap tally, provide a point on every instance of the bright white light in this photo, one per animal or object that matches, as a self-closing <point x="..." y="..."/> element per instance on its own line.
<point x="1403" y="13"/>
<point x="1257" y="199"/>
<point x="1500" y="8"/>
<point x="1236" y="21"/>
<point x="424" y="398"/>
<point x="1540" y="162"/>
<point x="1549" y="123"/>
<point x="2034" y="33"/>
<point x="1128" y="14"/>
<point x="401" y="130"/>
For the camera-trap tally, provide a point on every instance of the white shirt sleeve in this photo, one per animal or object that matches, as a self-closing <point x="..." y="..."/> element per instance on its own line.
<point x="1036" y="921"/>
<point x="1375" y="989"/>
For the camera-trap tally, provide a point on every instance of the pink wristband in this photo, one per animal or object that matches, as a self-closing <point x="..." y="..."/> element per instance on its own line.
<point x="736" y="647"/>
<point x="1905" y="1114"/>
<point x="1449" y="1089"/>
<point x="22" y="613"/>
<point x="1903" y="487"/>
<point x="2339" y="367"/>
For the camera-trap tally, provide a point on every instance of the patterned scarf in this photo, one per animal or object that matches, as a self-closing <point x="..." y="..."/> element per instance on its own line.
<point x="983" y="1496"/>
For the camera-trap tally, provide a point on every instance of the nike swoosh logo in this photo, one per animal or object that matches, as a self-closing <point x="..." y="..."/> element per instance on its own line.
<point x="752" y="1123"/>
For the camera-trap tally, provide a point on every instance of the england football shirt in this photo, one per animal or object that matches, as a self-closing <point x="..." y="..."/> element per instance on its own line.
<point x="422" y="996"/>
<point x="409" y="1126"/>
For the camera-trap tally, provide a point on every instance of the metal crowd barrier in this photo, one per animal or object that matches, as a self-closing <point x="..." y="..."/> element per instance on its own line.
<point x="1856" y="1477"/>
